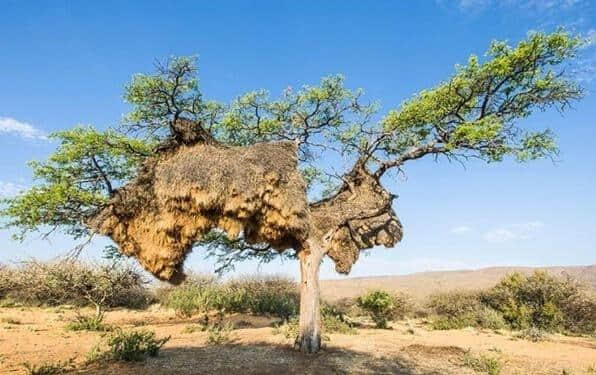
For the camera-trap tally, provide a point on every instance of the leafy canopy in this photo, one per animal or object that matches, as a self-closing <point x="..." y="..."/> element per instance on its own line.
<point x="475" y="113"/>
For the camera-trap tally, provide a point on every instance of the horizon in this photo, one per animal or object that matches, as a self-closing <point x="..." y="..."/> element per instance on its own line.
<point x="537" y="210"/>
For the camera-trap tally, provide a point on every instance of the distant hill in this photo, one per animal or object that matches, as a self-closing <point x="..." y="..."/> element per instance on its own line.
<point x="421" y="285"/>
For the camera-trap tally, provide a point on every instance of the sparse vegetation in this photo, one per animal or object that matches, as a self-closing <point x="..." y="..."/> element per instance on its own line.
<point x="88" y="323"/>
<point x="10" y="320"/>
<point x="482" y="363"/>
<point x="539" y="302"/>
<point x="383" y="306"/>
<point x="36" y="283"/>
<point x="49" y="368"/>
<point x="219" y="334"/>
<point x="127" y="346"/>
<point x="276" y="296"/>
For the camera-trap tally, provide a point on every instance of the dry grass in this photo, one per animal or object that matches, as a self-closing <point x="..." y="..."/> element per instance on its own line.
<point x="257" y="350"/>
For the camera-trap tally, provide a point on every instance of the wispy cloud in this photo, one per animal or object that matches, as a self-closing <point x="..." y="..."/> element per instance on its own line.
<point x="536" y="5"/>
<point x="9" y="189"/>
<point x="22" y="129"/>
<point x="513" y="232"/>
<point x="460" y="229"/>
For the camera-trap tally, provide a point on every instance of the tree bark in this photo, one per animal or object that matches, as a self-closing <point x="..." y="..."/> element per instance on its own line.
<point x="309" y="337"/>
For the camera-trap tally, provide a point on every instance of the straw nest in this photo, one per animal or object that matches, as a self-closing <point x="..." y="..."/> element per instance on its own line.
<point x="185" y="192"/>
<point x="359" y="216"/>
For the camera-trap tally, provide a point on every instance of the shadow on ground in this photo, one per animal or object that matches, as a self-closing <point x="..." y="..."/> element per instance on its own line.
<point x="261" y="358"/>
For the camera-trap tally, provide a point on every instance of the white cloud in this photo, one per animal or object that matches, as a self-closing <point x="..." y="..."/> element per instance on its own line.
<point x="22" y="129"/>
<point x="460" y="229"/>
<point x="522" y="231"/>
<point x="537" y="5"/>
<point x="9" y="189"/>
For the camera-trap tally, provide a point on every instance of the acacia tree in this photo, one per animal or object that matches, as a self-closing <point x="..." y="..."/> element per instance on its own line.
<point x="342" y="204"/>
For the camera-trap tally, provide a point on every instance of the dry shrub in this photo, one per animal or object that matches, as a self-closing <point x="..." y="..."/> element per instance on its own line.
<point x="76" y="283"/>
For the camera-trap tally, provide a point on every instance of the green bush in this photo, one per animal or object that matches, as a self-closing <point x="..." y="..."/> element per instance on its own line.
<point x="88" y="323"/>
<point x="193" y="296"/>
<point x="542" y="301"/>
<point x="128" y="346"/>
<point x="457" y="309"/>
<point x="383" y="306"/>
<point x="219" y="334"/>
<point x="482" y="363"/>
<point x="257" y="295"/>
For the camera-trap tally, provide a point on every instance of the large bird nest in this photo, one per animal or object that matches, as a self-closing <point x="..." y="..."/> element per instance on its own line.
<point x="194" y="185"/>
<point x="182" y="194"/>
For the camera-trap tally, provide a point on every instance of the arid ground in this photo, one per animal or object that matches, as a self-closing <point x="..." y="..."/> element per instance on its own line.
<point x="37" y="335"/>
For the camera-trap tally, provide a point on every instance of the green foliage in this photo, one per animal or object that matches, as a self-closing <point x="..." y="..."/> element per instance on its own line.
<point x="482" y="363"/>
<point x="331" y="320"/>
<point x="75" y="181"/>
<point x="261" y="296"/>
<point x="192" y="297"/>
<point x="474" y="112"/>
<point x="538" y="300"/>
<point x="127" y="346"/>
<point x="383" y="306"/>
<point x="50" y="368"/>
<point x="219" y="334"/>
<point x="456" y="310"/>
<point x="93" y="323"/>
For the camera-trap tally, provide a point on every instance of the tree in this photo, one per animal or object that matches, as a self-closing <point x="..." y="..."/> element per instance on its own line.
<point x="183" y="172"/>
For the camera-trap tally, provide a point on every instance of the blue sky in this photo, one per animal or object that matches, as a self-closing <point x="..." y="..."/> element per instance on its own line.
<point x="64" y="63"/>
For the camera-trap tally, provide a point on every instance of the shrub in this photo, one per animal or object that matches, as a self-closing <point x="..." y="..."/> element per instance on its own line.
<point x="482" y="363"/>
<point x="458" y="309"/>
<point x="50" y="368"/>
<point x="532" y="334"/>
<point x="219" y="334"/>
<point x="127" y="346"/>
<point x="257" y="295"/>
<point x="542" y="301"/>
<point x="76" y="283"/>
<point x="193" y="296"/>
<point x="383" y="307"/>
<point x="88" y="323"/>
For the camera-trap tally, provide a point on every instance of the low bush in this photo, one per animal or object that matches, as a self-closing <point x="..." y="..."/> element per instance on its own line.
<point x="75" y="283"/>
<point x="482" y="363"/>
<point x="383" y="306"/>
<point x="219" y="334"/>
<point x="127" y="346"/>
<point x="456" y="310"/>
<point x="536" y="302"/>
<point x="92" y="323"/>
<point x="542" y="301"/>
<point x="49" y="368"/>
<point x="261" y="296"/>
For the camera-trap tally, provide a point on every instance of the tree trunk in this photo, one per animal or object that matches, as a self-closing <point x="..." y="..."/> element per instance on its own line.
<point x="309" y="337"/>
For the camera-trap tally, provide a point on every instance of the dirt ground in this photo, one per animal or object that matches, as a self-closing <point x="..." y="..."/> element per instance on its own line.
<point x="38" y="335"/>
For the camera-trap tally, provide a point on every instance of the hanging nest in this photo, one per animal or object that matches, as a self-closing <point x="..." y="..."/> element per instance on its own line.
<point x="185" y="191"/>
<point x="358" y="217"/>
<point x="194" y="185"/>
